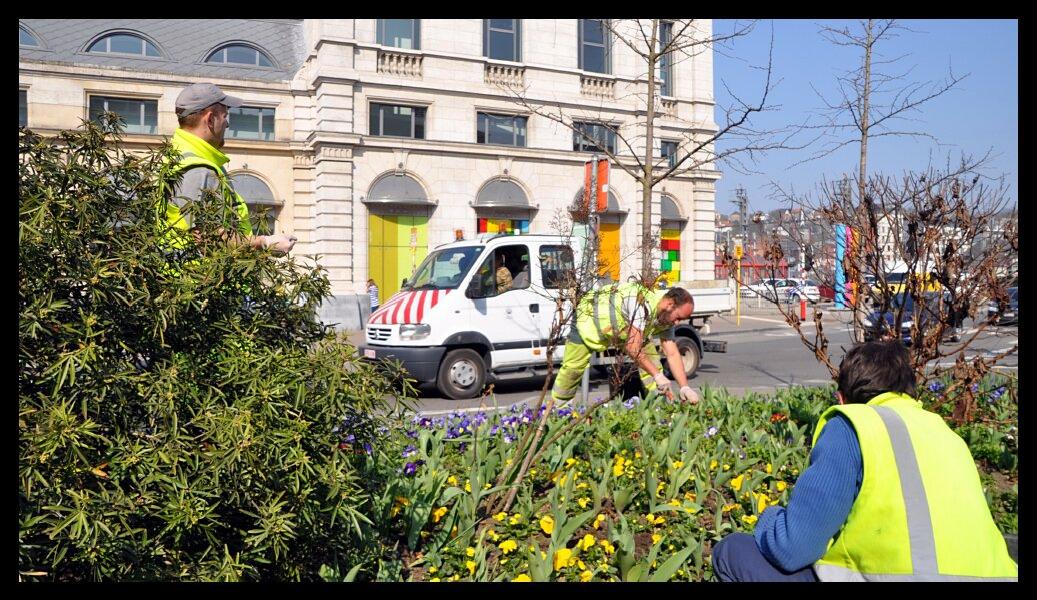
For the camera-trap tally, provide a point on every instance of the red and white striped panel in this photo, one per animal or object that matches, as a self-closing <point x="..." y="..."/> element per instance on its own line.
<point x="407" y="307"/>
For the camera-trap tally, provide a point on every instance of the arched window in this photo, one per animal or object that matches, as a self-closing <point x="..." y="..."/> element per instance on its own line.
<point x="608" y="235"/>
<point x="240" y="54"/>
<point x="502" y="207"/>
<point x="398" y="189"/>
<point x="124" y="43"/>
<point x="26" y="38"/>
<point x="263" y="208"/>
<point x="670" y="239"/>
<point x="398" y="210"/>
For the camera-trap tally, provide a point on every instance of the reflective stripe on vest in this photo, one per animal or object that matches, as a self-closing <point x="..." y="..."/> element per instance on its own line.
<point x="916" y="503"/>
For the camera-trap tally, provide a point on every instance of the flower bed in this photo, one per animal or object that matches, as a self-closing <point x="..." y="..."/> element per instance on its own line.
<point x="640" y="493"/>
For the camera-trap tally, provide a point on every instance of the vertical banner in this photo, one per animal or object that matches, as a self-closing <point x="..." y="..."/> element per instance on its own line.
<point x="840" y="276"/>
<point x="603" y="185"/>
<point x="851" y="251"/>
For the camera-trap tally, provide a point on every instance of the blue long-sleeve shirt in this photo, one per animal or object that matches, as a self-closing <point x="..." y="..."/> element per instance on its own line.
<point x="796" y="536"/>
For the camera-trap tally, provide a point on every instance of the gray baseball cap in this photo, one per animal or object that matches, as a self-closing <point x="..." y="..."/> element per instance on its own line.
<point x="199" y="96"/>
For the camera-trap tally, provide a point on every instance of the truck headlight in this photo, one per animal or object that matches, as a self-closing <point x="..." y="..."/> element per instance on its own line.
<point x="419" y="331"/>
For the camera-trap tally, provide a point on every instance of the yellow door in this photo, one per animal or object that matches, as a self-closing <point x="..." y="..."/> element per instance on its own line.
<point x="608" y="251"/>
<point x="397" y="245"/>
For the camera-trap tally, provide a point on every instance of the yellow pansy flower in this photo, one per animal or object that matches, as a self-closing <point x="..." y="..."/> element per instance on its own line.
<point x="677" y="464"/>
<point x="547" y="523"/>
<point x="748" y="519"/>
<point x="736" y="482"/>
<point x="438" y="514"/>
<point x="637" y="455"/>
<point x="598" y="520"/>
<point x="515" y="518"/>
<point x="579" y="563"/>
<point x="768" y="468"/>
<point x="586" y="576"/>
<point x="690" y="496"/>
<point x="522" y="577"/>
<point x="654" y="520"/>
<point x="507" y="546"/>
<point x="712" y="464"/>
<point x="432" y="570"/>
<point x="674" y="502"/>
<point x="561" y="558"/>
<point x="434" y="580"/>
<point x="761" y="502"/>
<point x="727" y="467"/>
<point x="730" y="507"/>
<point x="569" y="462"/>
<point x="656" y="538"/>
<point x="587" y="541"/>
<point x="469" y="551"/>
<point x="486" y="486"/>
<point x="452" y="480"/>
<point x="500" y="516"/>
<point x="583" y="502"/>
<point x="609" y="548"/>
<point x="782" y="485"/>
<point x="470" y="564"/>
<point x="582" y="485"/>
<point x="493" y="535"/>
<point x="617" y="467"/>
<point x="467" y="485"/>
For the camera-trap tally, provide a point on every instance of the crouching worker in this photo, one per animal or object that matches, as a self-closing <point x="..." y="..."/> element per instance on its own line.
<point x="627" y="315"/>
<point x="891" y="494"/>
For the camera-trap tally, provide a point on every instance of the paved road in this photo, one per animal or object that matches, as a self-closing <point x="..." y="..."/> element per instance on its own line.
<point x="763" y="354"/>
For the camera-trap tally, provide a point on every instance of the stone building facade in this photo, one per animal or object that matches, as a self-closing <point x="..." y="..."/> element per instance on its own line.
<point x="325" y="143"/>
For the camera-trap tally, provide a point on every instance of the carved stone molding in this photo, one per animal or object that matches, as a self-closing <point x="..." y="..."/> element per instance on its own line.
<point x="504" y="75"/>
<point x="399" y="63"/>
<point x="597" y="87"/>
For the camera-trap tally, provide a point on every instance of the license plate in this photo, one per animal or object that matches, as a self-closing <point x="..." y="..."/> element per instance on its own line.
<point x="368" y="353"/>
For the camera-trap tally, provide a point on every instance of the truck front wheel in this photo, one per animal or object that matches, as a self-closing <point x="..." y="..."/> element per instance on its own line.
<point x="690" y="355"/>
<point x="462" y="374"/>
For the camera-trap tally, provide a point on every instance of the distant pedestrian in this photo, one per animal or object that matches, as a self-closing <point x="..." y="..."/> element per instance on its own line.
<point x="372" y="291"/>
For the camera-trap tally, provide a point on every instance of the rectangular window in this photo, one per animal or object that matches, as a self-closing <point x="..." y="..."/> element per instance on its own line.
<point x="668" y="150"/>
<point x="23" y="108"/>
<point x="666" y="60"/>
<point x="500" y="40"/>
<point x="506" y="130"/>
<point x="251" y="123"/>
<point x="594" y="46"/>
<point x="556" y="265"/>
<point x="139" y="116"/>
<point x="398" y="121"/>
<point x="400" y="33"/>
<point x="601" y="137"/>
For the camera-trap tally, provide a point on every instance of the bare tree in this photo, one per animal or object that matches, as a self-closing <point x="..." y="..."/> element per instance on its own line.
<point x="660" y="44"/>
<point x="954" y="237"/>
<point x="871" y="103"/>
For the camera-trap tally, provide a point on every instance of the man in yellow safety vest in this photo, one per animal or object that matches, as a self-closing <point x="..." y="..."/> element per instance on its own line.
<point x="202" y="110"/>
<point x="627" y="316"/>
<point x="891" y="494"/>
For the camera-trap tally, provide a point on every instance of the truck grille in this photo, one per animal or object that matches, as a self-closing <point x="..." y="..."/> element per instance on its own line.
<point x="378" y="334"/>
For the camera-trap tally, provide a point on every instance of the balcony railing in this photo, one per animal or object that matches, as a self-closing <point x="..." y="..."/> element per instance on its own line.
<point x="505" y="75"/>
<point x="598" y="87"/>
<point x="399" y="63"/>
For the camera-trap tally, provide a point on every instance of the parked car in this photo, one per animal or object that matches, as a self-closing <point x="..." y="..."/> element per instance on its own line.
<point x="806" y="289"/>
<point x="827" y="293"/>
<point x="772" y="289"/>
<point x="880" y="325"/>
<point x="1011" y="313"/>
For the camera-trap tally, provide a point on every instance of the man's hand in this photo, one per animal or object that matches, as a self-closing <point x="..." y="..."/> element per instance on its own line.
<point x="279" y="242"/>
<point x="689" y="395"/>
<point x="662" y="382"/>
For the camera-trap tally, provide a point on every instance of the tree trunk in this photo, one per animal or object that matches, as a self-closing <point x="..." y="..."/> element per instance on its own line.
<point x="862" y="183"/>
<point x="646" y="180"/>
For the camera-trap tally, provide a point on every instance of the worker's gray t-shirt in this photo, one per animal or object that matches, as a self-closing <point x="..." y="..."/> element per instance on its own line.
<point x="191" y="185"/>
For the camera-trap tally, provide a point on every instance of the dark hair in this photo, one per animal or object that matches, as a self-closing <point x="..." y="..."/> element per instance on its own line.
<point x="875" y="368"/>
<point x="680" y="297"/>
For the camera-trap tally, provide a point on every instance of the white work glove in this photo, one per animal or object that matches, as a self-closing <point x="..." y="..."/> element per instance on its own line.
<point x="689" y="395"/>
<point x="279" y="242"/>
<point x="662" y="382"/>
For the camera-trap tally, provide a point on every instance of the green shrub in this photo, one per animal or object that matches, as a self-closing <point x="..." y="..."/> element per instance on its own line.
<point x="176" y="415"/>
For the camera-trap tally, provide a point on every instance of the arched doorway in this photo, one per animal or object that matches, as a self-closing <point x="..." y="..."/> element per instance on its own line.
<point x="502" y="206"/>
<point x="670" y="239"/>
<point x="397" y="225"/>
<point x="263" y="208"/>
<point x="608" y="235"/>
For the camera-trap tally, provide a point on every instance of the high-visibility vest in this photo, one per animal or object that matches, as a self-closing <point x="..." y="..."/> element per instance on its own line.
<point x="920" y="514"/>
<point x="600" y="320"/>
<point x="197" y="153"/>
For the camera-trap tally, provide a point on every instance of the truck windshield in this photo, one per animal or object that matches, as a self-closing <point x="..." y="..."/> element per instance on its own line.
<point x="444" y="269"/>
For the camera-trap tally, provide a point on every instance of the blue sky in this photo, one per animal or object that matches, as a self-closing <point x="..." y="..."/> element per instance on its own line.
<point x="979" y="114"/>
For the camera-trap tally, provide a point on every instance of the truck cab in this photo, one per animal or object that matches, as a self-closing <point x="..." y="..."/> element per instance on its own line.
<point x="484" y="310"/>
